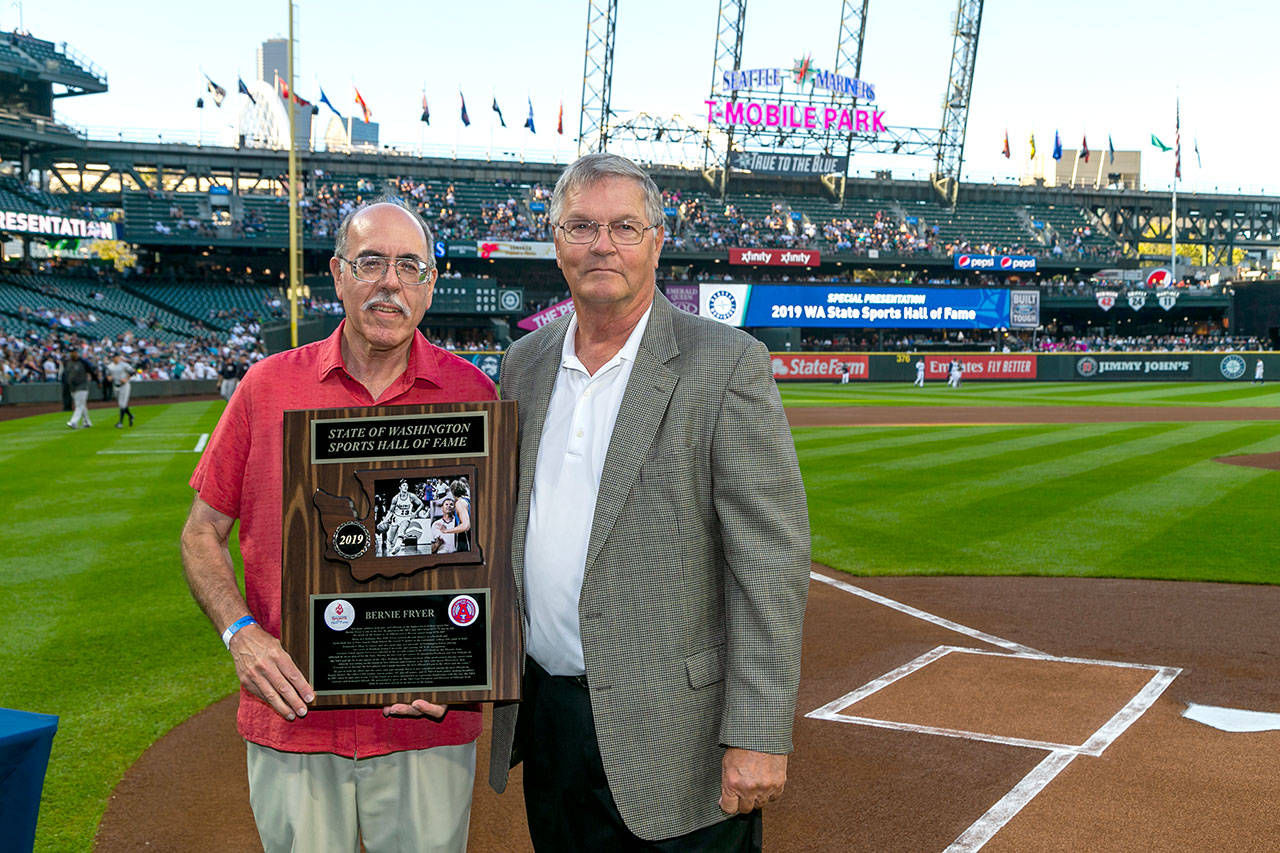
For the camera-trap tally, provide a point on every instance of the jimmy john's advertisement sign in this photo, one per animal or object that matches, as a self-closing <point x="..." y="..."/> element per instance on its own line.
<point x="1134" y="367"/>
<point x="396" y="581"/>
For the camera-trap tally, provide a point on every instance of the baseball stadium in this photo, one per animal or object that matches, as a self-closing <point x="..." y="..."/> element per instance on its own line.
<point x="1037" y="420"/>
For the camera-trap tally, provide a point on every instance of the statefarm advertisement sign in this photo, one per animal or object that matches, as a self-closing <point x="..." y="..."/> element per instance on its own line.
<point x="752" y="111"/>
<point x="775" y="257"/>
<point x="810" y="366"/>
<point x="830" y="307"/>
<point x="997" y="366"/>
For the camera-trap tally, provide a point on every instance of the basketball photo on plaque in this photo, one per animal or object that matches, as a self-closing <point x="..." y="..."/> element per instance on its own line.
<point x="423" y="515"/>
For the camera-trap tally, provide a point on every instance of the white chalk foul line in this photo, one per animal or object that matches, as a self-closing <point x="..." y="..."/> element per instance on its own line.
<point x="984" y="828"/>
<point x="200" y="443"/>
<point x="1060" y="755"/>
<point x="920" y="614"/>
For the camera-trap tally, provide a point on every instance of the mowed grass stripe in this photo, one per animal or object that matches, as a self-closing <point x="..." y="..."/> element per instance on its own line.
<point x="1113" y="497"/>
<point x="961" y="518"/>
<point x="1116" y="532"/>
<point x="980" y="458"/>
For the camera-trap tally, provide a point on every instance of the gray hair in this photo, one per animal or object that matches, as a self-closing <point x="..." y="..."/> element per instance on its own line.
<point x="340" y="242"/>
<point x="596" y="166"/>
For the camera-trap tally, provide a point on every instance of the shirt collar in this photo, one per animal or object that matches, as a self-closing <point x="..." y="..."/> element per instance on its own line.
<point x="423" y="362"/>
<point x="569" y="352"/>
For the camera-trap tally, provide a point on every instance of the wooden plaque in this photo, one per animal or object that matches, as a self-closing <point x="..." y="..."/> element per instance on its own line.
<point x="396" y="581"/>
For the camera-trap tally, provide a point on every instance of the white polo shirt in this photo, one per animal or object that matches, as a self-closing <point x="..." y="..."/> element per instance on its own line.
<point x="562" y="505"/>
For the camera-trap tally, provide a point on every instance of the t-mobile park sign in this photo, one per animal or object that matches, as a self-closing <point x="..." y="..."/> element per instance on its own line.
<point x="761" y="112"/>
<point x="775" y="257"/>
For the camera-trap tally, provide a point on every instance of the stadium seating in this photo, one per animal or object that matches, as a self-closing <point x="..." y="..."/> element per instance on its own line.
<point x="56" y="312"/>
<point x="205" y="302"/>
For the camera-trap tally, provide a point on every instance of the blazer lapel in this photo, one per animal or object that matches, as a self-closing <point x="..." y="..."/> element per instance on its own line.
<point x="644" y="405"/>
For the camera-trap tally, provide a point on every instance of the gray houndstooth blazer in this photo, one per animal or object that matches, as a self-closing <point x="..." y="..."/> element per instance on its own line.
<point x="697" y="569"/>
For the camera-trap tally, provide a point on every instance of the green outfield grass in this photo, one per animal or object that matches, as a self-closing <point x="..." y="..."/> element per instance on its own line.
<point x="100" y="628"/>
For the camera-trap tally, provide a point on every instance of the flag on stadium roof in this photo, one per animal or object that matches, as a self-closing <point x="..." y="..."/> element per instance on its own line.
<point x="1005" y="150"/>
<point x="1084" y="148"/>
<point x="324" y="99"/>
<point x="244" y="90"/>
<point x="529" y="121"/>
<point x="1157" y="143"/>
<point x="1111" y="149"/>
<point x="364" y="108"/>
<point x="466" y="119"/>
<point x="217" y="91"/>
<point x="1057" y="146"/>
<point x="560" y="120"/>
<point x="497" y="109"/>
<point x="426" y="111"/>
<point x="1195" y="143"/>
<point x="1177" y="140"/>
<point x="1033" y="147"/>
<point x="284" y="93"/>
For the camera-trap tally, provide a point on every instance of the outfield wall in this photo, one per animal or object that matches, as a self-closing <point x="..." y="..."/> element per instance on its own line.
<point x="1038" y="367"/>
<point x="51" y="392"/>
<point x="864" y="367"/>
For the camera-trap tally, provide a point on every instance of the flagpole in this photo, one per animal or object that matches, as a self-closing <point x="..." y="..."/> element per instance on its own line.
<point x="1173" y="222"/>
<point x="294" y="271"/>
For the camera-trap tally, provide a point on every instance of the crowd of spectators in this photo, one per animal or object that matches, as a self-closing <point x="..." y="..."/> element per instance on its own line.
<point x="1150" y="343"/>
<point x="694" y="223"/>
<point x="862" y="340"/>
<point x="39" y="356"/>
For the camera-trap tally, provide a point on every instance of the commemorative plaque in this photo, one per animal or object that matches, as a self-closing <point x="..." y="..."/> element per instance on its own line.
<point x="396" y="581"/>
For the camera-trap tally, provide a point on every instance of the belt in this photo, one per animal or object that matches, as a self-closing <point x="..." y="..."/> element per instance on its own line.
<point x="579" y="680"/>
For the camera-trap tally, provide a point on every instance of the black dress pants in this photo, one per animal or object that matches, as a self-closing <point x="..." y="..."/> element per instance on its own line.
<point x="566" y="794"/>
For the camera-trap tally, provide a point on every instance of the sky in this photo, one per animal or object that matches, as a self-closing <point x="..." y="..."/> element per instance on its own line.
<point x="1089" y="69"/>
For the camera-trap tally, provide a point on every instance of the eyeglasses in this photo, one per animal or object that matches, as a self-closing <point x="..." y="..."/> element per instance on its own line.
<point x="371" y="268"/>
<point x="624" y="232"/>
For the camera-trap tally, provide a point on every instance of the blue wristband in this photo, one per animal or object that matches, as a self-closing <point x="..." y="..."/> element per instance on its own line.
<point x="234" y="627"/>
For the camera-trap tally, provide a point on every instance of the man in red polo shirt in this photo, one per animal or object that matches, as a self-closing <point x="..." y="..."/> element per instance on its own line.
<point x="398" y="778"/>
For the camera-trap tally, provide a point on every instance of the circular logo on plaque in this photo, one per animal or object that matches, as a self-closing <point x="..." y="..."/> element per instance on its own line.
<point x="463" y="610"/>
<point x="509" y="300"/>
<point x="339" y="615"/>
<point x="1087" y="366"/>
<point x="351" y="540"/>
<point x="1232" y="367"/>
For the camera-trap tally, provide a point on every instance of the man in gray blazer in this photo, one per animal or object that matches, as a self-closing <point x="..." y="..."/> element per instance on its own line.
<point x="660" y="549"/>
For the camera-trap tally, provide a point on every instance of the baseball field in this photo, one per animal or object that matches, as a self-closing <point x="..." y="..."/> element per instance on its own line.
<point x="923" y="502"/>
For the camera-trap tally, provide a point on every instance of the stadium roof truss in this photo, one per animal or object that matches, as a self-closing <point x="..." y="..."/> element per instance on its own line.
<point x="674" y="140"/>
<point x="1218" y="223"/>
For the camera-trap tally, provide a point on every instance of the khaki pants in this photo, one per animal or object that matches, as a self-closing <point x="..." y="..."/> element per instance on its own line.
<point x="412" y="800"/>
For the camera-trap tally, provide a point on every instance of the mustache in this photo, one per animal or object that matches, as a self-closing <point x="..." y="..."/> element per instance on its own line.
<point x="386" y="298"/>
